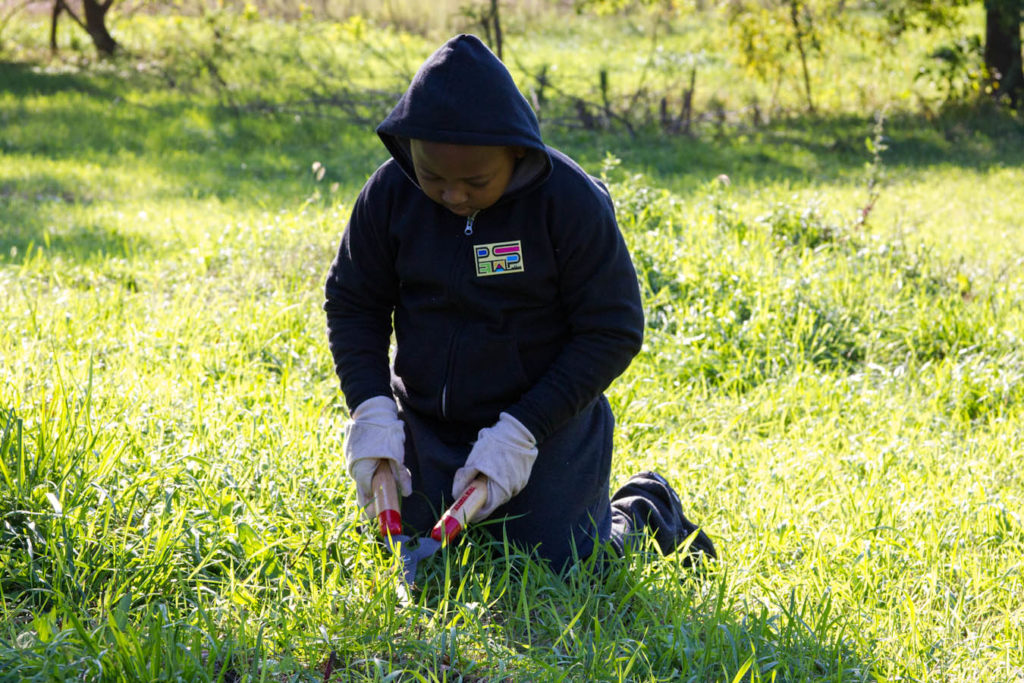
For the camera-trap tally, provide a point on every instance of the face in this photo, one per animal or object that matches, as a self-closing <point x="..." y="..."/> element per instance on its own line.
<point x="463" y="178"/>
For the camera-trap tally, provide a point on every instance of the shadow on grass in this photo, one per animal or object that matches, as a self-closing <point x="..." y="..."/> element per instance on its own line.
<point x="23" y="79"/>
<point x="811" y="150"/>
<point x="79" y="243"/>
<point x="29" y="206"/>
<point x="24" y="226"/>
<point x="198" y="147"/>
<point x="204" y="149"/>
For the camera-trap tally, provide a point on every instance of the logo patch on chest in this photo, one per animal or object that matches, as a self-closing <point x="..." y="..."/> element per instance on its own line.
<point x="498" y="258"/>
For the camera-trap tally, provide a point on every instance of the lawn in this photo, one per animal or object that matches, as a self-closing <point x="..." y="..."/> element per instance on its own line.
<point x="837" y="393"/>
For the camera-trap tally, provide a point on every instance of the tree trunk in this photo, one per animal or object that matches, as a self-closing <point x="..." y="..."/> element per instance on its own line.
<point x="794" y="17"/>
<point x="58" y="5"/>
<point x="1003" y="47"/>
<point x="496" y="18"/>
<point x="96" y="25"/>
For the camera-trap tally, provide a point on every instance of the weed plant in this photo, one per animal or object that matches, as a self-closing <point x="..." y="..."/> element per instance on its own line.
<point x="839" y="402"/>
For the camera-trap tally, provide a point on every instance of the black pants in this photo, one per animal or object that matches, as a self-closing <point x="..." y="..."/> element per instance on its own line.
<point x="564" y="511"/>
<point x="648" y="505"/>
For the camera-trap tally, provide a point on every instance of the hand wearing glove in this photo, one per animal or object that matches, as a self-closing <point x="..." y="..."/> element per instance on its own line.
<point x="505" y="454"/>
<point x="375" y="434"/>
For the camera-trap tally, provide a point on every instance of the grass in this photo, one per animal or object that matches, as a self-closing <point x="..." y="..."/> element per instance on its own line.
<point x="840" y="404"/>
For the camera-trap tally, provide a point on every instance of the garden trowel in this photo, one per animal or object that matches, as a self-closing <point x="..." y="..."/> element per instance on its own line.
<point x="452" y="522"/>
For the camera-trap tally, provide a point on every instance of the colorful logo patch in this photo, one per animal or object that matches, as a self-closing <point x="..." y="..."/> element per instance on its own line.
<point x="498" y="258"/>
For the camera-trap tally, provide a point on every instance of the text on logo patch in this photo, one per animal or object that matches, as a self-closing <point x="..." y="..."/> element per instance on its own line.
<point x="498" y="258"/>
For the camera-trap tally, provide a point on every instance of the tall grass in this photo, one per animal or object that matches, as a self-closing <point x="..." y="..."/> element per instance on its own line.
<point x="838" y="402"/>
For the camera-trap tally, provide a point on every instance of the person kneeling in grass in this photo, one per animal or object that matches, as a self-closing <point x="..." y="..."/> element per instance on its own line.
<point x="514" y="304"/>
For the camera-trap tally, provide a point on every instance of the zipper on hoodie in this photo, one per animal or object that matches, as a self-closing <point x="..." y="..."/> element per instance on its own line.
<point x="470" y="219"/>
<point x="453" y="342"/>
<point x="452" y="345"/>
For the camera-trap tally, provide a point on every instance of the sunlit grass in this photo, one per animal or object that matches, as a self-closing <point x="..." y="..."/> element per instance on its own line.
<point x="840" y="405"/>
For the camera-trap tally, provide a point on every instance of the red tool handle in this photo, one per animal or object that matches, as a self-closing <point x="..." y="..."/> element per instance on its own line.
<point x="385" y="500"/>
<point x="455" y="518"/>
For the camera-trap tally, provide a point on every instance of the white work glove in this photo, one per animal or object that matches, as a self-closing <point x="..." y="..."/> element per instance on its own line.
<point x="505" y="454"/>
<point x="374" y="434"/>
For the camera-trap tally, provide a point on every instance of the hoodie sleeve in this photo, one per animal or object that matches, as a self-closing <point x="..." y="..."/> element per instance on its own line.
<point x="361" y="291"/>
<point x="601" y="298"/>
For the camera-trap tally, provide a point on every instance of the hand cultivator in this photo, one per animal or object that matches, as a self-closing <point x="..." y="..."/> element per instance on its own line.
<point x="452" y="522"/>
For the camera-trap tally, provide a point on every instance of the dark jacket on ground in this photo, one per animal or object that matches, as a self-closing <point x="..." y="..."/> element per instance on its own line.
<point x="531" y="307"/>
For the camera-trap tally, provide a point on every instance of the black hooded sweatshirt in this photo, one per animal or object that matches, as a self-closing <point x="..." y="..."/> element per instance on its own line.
<point x="530" y="306"/>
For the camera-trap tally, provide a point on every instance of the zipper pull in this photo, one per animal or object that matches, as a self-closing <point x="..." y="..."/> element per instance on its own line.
<point x="469" y="223"/>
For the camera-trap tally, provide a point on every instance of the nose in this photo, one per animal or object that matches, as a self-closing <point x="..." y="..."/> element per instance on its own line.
<point x="454" y="196"/>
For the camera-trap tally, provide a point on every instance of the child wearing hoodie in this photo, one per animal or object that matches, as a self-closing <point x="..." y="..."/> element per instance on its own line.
<point x="498" y="264"/>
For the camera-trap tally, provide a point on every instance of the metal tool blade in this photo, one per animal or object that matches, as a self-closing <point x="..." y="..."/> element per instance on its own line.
<point x="411" y="554"/>
<point x="454" y="519"/>
<point x="447" y="528"/>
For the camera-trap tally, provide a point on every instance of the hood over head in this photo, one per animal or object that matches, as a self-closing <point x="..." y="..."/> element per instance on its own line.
<point x="464" y="95"/>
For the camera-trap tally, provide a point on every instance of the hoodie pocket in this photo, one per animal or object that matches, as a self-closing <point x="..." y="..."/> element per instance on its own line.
<point x="421" y="365"/>
<point x="486" y="376"/>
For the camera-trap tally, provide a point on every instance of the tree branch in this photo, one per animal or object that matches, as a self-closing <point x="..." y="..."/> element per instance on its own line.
<point x="13" y="10"/>
<point x="60" y="5"/>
